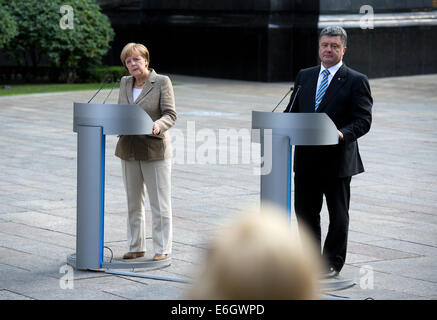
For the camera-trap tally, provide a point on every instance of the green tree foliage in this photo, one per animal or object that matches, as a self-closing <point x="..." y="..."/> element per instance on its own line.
<point x="72" y="41"/>
<point x="8" y="27"/>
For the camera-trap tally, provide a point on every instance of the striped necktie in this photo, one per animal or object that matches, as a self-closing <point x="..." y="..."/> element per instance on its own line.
<point x="322" y="88"/>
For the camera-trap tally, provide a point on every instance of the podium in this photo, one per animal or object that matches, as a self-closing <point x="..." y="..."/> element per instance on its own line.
<point x="93" y="122"/>
<point x="279" y="131"/>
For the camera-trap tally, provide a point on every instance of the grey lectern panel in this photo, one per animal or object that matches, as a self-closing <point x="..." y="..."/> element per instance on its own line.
<point x="89" y="246"/>
<point x="114" y="118"/>
<point x="288" y="129"/>
<point x="302" y="128"/>
<point x="93" y="122"/>
<point x="277" y="177"/>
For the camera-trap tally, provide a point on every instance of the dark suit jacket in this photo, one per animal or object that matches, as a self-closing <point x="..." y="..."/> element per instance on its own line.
<point x="348" y="102"/>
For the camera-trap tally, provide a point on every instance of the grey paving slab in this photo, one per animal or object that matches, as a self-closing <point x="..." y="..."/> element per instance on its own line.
<point x="393" y="225"/>
<point x="34" y="233"/>
<point x="407" y="246"/>
<point x="48" y="288"/>
<point x="138" y="291"/>
<point x="44" y="221"/>
<point x="400" y="287"/>
<point x="9" y="295"/>
<point x="421" y="268"/>
<point x="34" y="247"/>
<point x="378" y="252"/>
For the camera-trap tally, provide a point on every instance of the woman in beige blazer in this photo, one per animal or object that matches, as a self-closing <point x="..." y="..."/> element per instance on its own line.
<point x="146" y="159"/>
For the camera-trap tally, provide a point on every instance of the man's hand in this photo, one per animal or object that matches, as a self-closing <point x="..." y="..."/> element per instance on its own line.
<point x="340" y="135"/>
<point x="156" y="129"/>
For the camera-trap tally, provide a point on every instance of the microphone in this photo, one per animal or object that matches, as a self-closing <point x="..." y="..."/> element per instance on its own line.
<point x="115" y="83"/>
<point x="103" y="84"/>
<point x="294" y="99"/>
<point x="291" y="89"/>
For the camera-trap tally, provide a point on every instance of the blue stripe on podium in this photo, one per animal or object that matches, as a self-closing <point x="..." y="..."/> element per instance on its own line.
<point x="102" y="197"/>
<point x="289" y="184"/>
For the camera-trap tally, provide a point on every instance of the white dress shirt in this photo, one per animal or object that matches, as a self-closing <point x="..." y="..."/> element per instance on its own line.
<point x="332" y="72"/>
<point x="135" y="93"/>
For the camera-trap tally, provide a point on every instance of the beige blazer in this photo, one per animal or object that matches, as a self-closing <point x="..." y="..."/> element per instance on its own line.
<point x="157" y="99"/>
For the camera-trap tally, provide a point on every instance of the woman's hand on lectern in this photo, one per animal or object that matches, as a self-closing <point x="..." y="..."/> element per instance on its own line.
<point x="156" y="129"/>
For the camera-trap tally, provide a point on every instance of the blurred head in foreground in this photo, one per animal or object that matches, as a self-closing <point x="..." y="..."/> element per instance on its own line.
<point x="259" y="256"/>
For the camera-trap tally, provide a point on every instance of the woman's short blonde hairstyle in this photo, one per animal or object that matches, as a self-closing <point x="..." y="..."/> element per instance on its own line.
<point x="130" y="48"/>
<point x="259" y="256"/>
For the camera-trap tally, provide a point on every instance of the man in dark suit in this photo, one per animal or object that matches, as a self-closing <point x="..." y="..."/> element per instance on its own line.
<point x="344" y="95"/>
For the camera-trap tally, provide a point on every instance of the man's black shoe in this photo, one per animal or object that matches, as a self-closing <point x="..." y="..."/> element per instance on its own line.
<point x="330" y="273"/>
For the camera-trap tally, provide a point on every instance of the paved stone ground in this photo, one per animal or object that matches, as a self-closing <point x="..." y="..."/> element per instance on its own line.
<point x="393" y="229"/>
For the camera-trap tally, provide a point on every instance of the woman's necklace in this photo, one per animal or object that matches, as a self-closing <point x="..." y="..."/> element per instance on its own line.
<point x="140" y="84"/>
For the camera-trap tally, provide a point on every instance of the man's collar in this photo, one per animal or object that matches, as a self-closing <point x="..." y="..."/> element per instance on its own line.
<point x="332" y="70"/>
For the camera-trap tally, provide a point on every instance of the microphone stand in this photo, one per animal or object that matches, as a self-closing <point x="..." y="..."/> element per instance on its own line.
<point x="291" y="89"/>
<point x="294" y="99"/>
<point x="111" y="90"/>
<point x="103" y="84"/>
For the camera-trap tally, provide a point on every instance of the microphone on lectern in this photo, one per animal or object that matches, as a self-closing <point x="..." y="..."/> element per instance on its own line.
<point x="103" y="84"/>
<point x="115" y="83"/>
<point x="294" y="99"/>
<point x="291" y="89"/>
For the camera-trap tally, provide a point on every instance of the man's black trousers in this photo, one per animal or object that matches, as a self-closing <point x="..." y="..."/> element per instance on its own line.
<point x="309" y="191"/>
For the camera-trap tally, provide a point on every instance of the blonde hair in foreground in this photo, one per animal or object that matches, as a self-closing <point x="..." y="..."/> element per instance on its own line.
<point x="259" y="256"/>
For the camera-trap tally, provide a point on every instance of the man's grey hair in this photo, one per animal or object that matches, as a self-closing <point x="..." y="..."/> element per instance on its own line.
<point x="335" y="31"/>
